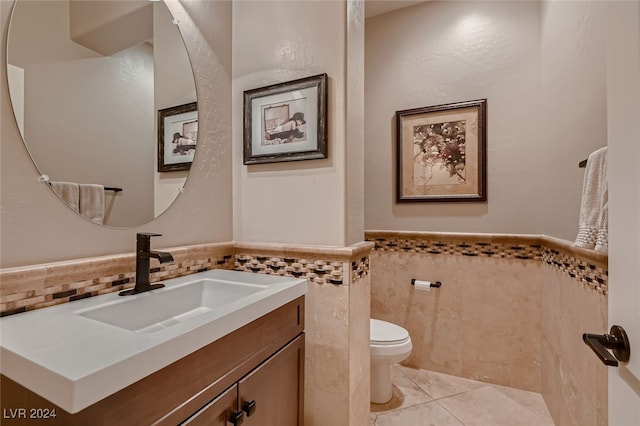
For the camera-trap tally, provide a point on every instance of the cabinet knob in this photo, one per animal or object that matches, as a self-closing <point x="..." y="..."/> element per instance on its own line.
<point x="249" y="407"/>
<point x="236" y="418"/>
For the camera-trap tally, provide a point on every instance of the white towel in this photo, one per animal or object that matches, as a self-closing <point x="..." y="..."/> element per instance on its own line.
<point x="92" y="202"/>
<point x="69" y="192"/>
<point x="593" y="229"/>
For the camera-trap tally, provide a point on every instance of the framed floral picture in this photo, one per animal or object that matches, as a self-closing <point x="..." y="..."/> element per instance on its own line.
<point x="177" y="137"/>
<point x="286" y="121"/>
<point x="442" y="153"/>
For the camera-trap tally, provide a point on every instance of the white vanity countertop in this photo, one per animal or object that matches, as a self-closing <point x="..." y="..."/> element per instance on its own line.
<point x="75" y="361"/>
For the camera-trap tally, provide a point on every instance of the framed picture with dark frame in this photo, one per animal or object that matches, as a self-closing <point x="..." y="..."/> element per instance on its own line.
<point x="177" y="137"/>
<point x="286" y="121"/>
<point x="442" y="153"/>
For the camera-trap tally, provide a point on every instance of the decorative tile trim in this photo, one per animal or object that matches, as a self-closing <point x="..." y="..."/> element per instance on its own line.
<point x="359" y="269"/>
<point x="315" y="271"/>
<point x="585" y="266"/>
<point x="471" y="249"/>
<point x="593" y="276"/>
<point x="39" y="286"/>
<point x="34" y="287"/>
<point x="318" y="264"/>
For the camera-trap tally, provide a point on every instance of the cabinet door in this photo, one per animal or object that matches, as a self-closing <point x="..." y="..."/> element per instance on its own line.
<point x="272" y="394"/>
<point x="218" y="411"/>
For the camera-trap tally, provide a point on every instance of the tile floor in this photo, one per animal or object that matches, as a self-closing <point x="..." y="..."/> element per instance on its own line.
<point x="427" y="398"/>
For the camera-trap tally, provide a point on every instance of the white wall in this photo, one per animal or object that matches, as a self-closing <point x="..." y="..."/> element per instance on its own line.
<point x="37" y="227"/>
<point x="545" y="108"/>
<point x="623" y="91"/>
<point x="299" y="202"/>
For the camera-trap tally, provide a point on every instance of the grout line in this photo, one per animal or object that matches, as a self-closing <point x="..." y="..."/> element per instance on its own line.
<point x="419" y="387"/>
<point x="443" y="397"/>
<point x="450" y="413"/>
<point x="438" y="400"/>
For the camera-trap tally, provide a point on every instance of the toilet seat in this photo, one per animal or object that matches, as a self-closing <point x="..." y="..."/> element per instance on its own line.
<point x="384" y="333"/>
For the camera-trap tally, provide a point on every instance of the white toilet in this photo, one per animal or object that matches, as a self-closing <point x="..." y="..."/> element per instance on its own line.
<point x="389" y="344"/>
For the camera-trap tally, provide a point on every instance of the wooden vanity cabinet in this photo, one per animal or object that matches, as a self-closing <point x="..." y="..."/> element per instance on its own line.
<point x="272" y="394"/>
<point x="262" y="361"/>
<point x="219" y="411"/>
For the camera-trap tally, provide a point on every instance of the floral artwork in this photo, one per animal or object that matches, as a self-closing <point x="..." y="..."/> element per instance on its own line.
<point x="439" y="153"/>
<point x="442" y="152"/>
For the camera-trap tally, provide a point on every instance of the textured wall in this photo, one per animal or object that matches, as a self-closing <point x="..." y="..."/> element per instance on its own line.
<point x="573" y="108"/>
<point x="299" y="202"/>
<point x="542" y="76"/>
<point x="38" y="228"/>
<point x="96" y="135"/>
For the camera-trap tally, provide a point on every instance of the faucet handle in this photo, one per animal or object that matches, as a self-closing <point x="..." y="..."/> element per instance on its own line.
<point x="147" y="235"/>
<point x="143" y="240"/>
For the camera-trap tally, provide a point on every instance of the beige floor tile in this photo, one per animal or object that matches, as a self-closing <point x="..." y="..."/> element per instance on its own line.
<point x="427" y="414"/>
<point x="440" y="385"/>
<point x="487" y="406"/>
<point x="530" y="400"/>
<point x="459" y="402"/>
<point x="405" y="393"/>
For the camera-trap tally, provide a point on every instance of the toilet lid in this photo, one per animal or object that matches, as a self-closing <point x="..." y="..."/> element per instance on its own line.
<point x="383" y="332"/>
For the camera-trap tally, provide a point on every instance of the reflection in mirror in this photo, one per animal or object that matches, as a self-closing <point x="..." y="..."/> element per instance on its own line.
<point x="87" y="79"/>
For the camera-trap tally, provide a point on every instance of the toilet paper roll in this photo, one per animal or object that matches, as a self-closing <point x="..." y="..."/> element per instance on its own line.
<point x="421" y="285"/>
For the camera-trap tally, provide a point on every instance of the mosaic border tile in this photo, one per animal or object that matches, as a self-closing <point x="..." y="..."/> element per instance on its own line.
<point x="359" y="269"/>
<point x="471" y="249"/>
<point x="41" y="286"/>
<point x="314" y="270"/>
<point x="593" y="276"/>
<point x="586" y="267"/>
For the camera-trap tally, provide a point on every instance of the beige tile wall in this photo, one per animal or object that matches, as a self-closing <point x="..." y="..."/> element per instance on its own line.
<point x="483" y="323"/>
<point x="336" y="324"/>
<point x="511" y="311"/>
<point x="574" y="381"/>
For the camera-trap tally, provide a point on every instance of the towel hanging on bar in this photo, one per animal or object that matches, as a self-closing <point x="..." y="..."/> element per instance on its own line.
<point x="593" y="222"/>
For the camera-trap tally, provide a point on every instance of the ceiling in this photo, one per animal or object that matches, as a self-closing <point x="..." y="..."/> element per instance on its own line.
<point x="378" y="7"/>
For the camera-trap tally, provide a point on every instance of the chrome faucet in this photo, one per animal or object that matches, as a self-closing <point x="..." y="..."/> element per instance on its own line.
<point x="143" y="254"/>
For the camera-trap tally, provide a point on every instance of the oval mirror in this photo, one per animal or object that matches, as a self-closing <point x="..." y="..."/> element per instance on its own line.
<point x="104" y="97"/>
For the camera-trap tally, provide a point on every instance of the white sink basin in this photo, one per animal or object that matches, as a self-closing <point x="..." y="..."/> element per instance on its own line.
<point x="77" y="353"/>
<point x="158" y="309"/>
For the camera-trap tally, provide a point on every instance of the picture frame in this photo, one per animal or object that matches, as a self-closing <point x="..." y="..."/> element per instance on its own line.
<point x="286" y="121"/>
<point x="177" y="137"/>
<point x="442" y="153"/>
